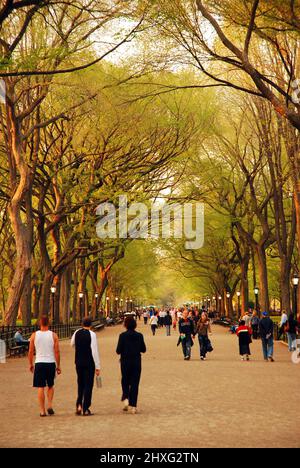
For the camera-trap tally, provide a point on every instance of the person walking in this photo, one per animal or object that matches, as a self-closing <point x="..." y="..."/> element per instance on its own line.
<point x="244" y="334"/>
<point x="254" y="323"/>
<point x="145" y="317"/>
<point x="247" y="318"/>
<point x="283" y="322"/>
<point x="87" y="363"/>
<point x="186" y="330"/>
<point x="266" y="330"/>
<point x="154" y="324"/>
<point x="174" y="318"/>
<point x="291" y="328"/>
<point x="168" y="323"/>
<point x="45" y="344"/>
<point x="203" y="327"/>
<point x="130" y="346"/>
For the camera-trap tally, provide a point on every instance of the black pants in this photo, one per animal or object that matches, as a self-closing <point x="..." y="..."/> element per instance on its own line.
<point x="85" y="380"/>
<point x="255" y="331"/>
<point x="203" y="343"/>
<point x="131" y="374"/>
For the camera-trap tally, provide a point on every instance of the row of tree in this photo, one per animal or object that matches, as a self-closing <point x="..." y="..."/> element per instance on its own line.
<point x="205" y="109"/>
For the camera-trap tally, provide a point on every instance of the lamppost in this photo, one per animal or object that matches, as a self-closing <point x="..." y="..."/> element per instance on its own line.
<point x="96" y="303"/>
<point x="53" y="291"/>
<point x="117" y="305"/>
<point x="228" y="297"/>
<point x="256" y="292"/>
<point x="80" y="305"/>
<point x="295" y="281"/>
<point x="220" y="304"/>
<point x="122" y="305"/>
<point x="131" y="305"/>
<point x="126" y="305"/>
<point x="239" y="303"/>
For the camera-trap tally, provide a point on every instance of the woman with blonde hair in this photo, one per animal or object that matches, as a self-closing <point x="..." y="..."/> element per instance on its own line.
<point x="203" y="328"/>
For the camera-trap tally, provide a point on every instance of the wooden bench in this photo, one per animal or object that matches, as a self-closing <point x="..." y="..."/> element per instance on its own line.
<point x="98" y="327"/>
<point x="17" y="350"/>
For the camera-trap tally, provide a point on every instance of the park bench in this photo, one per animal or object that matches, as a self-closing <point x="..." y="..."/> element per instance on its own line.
<point x="17" y="350"/>
<point x="98" y="327"/>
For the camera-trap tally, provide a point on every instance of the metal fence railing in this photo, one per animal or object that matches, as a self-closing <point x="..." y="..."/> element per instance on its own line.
<point x="63" y="331"/>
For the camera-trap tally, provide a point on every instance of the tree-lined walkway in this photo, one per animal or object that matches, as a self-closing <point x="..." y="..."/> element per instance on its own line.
<point x="221" y="402"/>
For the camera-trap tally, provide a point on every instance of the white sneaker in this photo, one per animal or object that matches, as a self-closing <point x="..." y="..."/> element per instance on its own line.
<point x="125" y="405"/>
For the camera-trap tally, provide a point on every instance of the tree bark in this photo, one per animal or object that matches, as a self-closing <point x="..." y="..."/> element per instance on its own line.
<point x="263" y="278"/>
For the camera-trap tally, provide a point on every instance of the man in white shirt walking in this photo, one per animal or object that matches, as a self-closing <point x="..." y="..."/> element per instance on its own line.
<point x="47" y="363"/>
<point x="283" y="322"/>
<point x="87" y="363"/>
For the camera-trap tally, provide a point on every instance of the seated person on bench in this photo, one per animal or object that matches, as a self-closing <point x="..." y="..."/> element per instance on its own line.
<point x="19" y="340"/>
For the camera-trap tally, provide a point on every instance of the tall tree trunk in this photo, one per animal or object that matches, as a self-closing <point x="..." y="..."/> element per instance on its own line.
<point x="25" y="302"/>
<point x="263" y="278"/>
<point x="20" y="186"/>
<point x="35" y="298"/>
<point x="65" y="294"/>
<point x="244" y="284"/>
<point x="285" y="288"/>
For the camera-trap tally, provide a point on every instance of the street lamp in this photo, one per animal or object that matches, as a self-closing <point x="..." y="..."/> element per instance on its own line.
<point x="228" y="297"/>
<point x="53" y="291"/>
<point x="239" y="302"/>
<point x="107" y="306"/>
<point x="80" y="295"/>
<point x="256" y="292"/>
<point x="295" y="282"/>
<point x="117" y="304"/>
<point x="131" y="305"/>
<point x="220" y="304"/>
<point x="96" y="301"/>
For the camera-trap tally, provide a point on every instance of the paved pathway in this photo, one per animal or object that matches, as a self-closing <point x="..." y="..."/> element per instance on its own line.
<point x="222" y="402"/>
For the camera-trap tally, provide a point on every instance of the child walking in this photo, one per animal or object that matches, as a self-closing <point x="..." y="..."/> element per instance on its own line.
<point x="244" y="335"/>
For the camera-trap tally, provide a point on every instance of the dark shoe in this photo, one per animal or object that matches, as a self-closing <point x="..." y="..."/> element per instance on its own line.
<point x="87" y="413"/>
<point x="43" y="415"/>
<point x="78" y="412"/>
<point x="271" y="359"/>
<point x="50" y="411"/>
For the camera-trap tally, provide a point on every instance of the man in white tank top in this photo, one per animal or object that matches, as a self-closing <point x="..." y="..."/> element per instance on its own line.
<point x="47" y="363"/>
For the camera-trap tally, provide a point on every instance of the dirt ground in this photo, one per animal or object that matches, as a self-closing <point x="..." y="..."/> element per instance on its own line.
<point x="222" y="402"/>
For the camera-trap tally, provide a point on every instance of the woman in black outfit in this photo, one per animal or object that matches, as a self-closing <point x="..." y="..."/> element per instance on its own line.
<point x="130" y="346"/>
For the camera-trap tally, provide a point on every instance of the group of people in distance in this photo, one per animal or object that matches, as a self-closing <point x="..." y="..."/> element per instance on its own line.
<point x="191" y="323"/>
<point x="251" y="326"/>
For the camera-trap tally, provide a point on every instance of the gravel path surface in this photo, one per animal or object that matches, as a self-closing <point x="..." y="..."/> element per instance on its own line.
<point x="222" y="402"/>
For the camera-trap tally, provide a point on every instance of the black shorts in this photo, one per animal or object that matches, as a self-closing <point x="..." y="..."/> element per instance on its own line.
<point x="44" y="374"/>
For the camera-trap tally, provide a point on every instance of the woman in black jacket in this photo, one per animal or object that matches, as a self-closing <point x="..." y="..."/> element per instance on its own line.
<point x="130" y="346"/>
